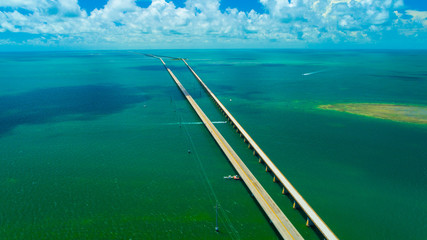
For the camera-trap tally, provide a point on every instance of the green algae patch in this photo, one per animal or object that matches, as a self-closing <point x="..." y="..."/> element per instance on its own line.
<point x="394" y="112"/>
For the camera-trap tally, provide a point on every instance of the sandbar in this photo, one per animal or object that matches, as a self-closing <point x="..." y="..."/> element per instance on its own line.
<point x="396" y="112"/>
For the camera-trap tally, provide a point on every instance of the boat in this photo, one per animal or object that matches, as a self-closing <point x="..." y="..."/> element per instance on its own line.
<point x="235" y="177"/>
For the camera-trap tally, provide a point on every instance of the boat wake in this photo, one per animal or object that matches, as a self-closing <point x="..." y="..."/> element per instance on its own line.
<point x="311" y="73"/>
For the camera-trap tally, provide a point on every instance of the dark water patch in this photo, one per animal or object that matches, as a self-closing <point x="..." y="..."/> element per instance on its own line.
<point x="222" y="88"/>
<point x="215" y="65"/>
<point x="209" y="68"/>
<point x="18" y="57"/>
<point x="241" y="58"/>
<point x="149" y="68"/>
<point x="65" y="103"/>
<point x="271" y="65"/>
<point x="177" y="68"/>
<point x="163" y="91"/>
<point x="408" y="78"/>
<point x="400" y="77"/>
<point x="247" y="95"/>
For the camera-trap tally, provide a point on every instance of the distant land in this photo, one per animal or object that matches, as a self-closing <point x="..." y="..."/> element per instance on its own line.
<point x="395" y="112"/>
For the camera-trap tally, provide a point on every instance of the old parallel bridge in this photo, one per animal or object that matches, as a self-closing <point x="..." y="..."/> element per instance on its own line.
<point x="274" y="213"/>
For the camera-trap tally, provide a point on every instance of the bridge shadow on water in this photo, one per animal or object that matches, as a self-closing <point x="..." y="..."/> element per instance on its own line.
<point x="301" y="218"/>
<point x="59" y="104"/>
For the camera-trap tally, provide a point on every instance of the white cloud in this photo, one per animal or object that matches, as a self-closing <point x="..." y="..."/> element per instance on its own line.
<point x="27" y="4"/>
<point x="7" y="42"/>
<point x="122" y="23"/>
<point x="418" y="16"/>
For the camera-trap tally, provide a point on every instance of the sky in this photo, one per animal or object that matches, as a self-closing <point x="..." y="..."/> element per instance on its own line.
<point x="186" y="24"/>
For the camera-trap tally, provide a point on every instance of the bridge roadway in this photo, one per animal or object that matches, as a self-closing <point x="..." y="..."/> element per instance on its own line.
<point x="299" y="201"/>
<point x="274" y="213"/>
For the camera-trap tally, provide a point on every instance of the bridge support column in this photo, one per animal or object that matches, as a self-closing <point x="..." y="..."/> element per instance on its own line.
<point x="284" y="191"/>
<point x="295" y="205"/>
<point x="254" y="153"/>
<point x="249" y="146"/>
<point x="260" y="160"/>
<point x="274" y="178"/>
<point x="309" y="223"/>
<point x="244" y="139"/>
<point x="266" y="168"/>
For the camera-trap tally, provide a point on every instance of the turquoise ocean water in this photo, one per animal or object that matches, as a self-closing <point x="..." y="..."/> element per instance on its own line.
<point x="93" y="145"/>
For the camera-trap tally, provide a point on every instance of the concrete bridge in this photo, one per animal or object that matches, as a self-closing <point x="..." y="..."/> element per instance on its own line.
<point x="287" y="187"/>
<point x="274" y="213"/>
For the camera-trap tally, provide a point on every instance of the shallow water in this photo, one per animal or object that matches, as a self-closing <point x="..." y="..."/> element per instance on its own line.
<point x="94" y="144"/>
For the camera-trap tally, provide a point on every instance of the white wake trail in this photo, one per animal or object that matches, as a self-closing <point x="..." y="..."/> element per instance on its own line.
<point x="311" y="73"/>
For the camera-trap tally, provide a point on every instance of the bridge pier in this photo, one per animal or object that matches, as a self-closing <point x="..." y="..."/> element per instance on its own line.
<point x="284" y="191"/>
<point x="309" y="223"/>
